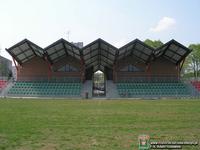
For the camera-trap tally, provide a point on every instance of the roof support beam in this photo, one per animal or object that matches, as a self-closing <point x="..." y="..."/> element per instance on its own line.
<point x="31" y="49"/>
<point x="49" y="68"/>
<point x="182" y="64"/>
<point x="15" y="64"/>
<point x="65" y="49"/>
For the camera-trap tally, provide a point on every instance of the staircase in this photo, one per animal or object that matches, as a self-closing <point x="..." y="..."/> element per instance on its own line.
<point x="193" y="90"/>
<point x="87" y="87"/>
<point x="111" y="90"/>
<point x="5" y="90"/>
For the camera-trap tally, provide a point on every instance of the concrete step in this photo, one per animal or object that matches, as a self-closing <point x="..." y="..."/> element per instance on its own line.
<point x="87" y="87"/>
<point x="111" y="90"/>
<point x="4" y="92"/>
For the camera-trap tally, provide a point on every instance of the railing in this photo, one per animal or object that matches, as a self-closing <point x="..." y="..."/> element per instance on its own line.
<point x="4" y="78"/>
<point x="52" y="79"/>
<point x="190" y="79"/>
<point x="147" y="78"/>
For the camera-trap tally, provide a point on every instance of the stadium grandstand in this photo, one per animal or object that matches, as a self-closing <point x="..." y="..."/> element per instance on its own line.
<point x="135" y="70"/>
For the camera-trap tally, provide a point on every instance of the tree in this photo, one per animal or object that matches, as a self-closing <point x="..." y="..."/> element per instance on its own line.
<point x="193" y="60"/>
<point x="153" y="43"/>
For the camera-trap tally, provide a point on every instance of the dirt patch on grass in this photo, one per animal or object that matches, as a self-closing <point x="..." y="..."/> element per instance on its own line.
<point x="3" y="141"/>
<point x="49" y="140"/>
<point x="49" y="146"/>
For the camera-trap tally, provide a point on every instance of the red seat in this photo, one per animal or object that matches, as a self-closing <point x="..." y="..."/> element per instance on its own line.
<point x="196" y="84"/>
<point x="3" y="83"/>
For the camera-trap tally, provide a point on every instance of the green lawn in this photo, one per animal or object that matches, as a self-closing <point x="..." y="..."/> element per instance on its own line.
<point x="95" y="124"/>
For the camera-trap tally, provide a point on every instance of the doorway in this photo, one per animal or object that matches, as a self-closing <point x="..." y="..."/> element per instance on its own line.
<point x="99" y="88"/>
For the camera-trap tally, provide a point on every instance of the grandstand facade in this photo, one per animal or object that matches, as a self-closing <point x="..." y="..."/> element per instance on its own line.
<point x="63" y="69"/>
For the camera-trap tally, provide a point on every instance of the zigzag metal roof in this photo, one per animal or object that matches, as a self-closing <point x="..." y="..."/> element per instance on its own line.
<point x="173" y="51"/>
<point x="61" y="48"/>
<point x="98" y="53"/>
<point x="138" y="49"/>
<point x="24" y="51"/>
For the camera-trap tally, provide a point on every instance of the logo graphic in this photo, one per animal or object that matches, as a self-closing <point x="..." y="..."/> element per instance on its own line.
<point x="144" y="142"/>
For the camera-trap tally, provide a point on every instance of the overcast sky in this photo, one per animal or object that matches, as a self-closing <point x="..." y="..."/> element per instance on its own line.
<point x="116" y="21"/>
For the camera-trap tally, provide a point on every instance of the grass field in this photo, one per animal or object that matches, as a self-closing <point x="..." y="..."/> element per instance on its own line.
<point x="95" y="124"/>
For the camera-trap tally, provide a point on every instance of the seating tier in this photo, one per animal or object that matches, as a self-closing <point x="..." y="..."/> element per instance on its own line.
<point x="152" y="89"/>
<point x="46" y="89"/>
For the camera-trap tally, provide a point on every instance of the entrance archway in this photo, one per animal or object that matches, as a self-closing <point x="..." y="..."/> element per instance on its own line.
<point x="99" y="87"/>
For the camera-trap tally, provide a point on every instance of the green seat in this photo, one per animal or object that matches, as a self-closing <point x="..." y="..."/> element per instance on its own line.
<point x="45" y="88"/>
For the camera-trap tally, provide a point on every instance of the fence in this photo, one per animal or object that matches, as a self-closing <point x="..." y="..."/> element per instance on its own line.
<point x="147" y="78"/>
<point x="46" y="79"/>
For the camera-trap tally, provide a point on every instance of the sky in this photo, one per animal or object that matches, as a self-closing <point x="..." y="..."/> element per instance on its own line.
<point x="116" y="21"/>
